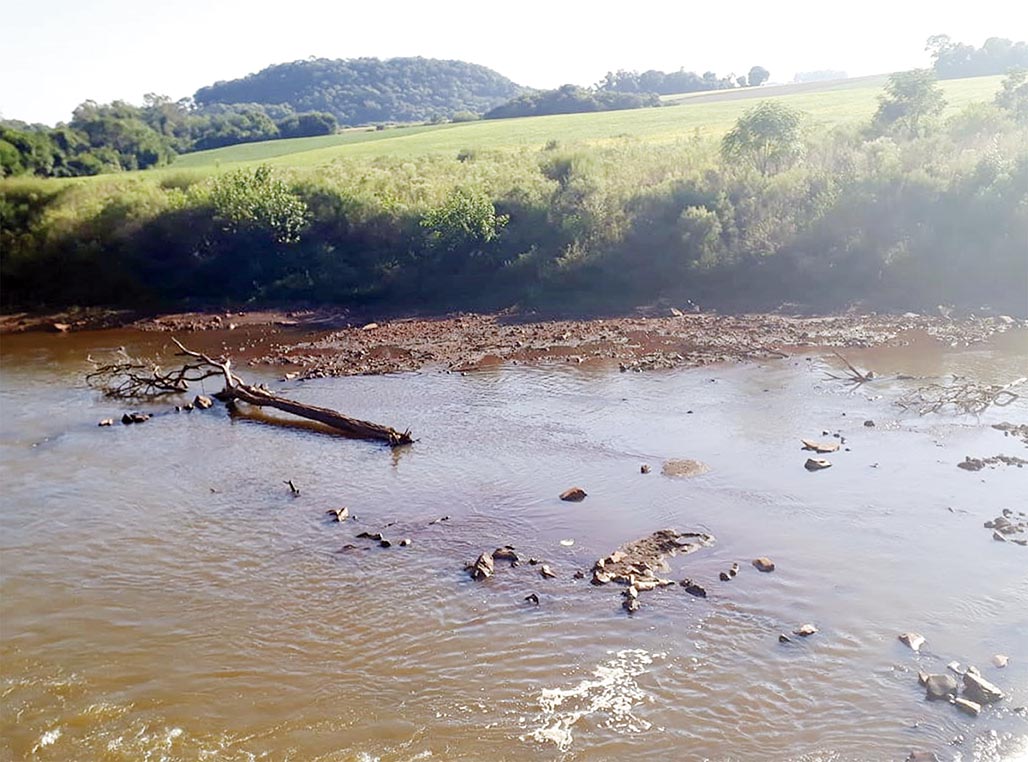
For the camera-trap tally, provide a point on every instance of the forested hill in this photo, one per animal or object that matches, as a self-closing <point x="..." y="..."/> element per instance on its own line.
<point x="368" y="90"/>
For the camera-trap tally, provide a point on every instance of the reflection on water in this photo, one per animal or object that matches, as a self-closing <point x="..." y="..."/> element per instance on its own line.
<point x="163" y="596"/>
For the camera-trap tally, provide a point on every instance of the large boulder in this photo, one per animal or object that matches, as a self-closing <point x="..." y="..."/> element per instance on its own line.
<point x="940" y="687"/>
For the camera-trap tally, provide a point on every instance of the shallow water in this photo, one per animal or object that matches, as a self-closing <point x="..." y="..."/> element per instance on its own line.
<point x="163" y="596"/>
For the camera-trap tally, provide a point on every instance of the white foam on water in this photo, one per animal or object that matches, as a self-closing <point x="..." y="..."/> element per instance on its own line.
<point x="612" y="695"/>
<point x="48" y="738"/>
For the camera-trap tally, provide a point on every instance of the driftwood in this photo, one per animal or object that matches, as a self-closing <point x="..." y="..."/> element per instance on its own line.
<point x="962" y="395"/>
<point x="131" y="379"/>
<point x="852" y="375"/>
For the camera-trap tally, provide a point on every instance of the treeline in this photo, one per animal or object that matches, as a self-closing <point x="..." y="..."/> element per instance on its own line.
<point x="362" y="91"/>
<point x="907" y="211"/>
<point x="997" y="55"/>
<point x="570" y="99"/>
<point x="681" y="81"/>
<point x="120" y="136"/>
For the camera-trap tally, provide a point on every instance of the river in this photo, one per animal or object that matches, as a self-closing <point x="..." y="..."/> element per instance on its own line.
<point x="164" y="596"/>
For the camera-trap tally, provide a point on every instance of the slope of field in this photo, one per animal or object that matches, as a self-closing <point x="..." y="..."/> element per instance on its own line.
<point x="826" y="104"/>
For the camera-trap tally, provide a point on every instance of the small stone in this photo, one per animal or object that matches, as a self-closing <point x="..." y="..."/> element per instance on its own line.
<point x="369" y="327"/>
<point x="693" y="589"/>
<point x="977" y="688"/>
<point x="385" y="543"/>
<point x="532" y="598"/>
<point x="764" y="564"/>
<point x="724" y="577"/>
<point x="203" y="402"/>
<point x="404" y="542"/>
<point x="573" y="495"/>
<point x="940" y="687"/>
<point x="954" y="666"/>
<point x="805" y="630"/>
<point x="631" y="605"/>
<point x="188" y="406"/>
<point x="482" y="568"/>
<point x="506" y="553"/>
<point x="579" y="574"/>
<point x="913" y="640"/>
<point x="106" y="422"/>
<point x="644" y="469"/>
<point x="546" y="572"/>
<point x="809" y="444"/>
<point x="817" y="464"/>
<point x="922" y="756"/>
<point x="869" y="423"/>
<point x="376" y="536"/>
<point x="998" y="537"/>
<point x="784" y="639"/>
<point x="967" y="706"/>
<point x="61" y="327"/>
<point x="134" y="418"/>
<point x="339" y="514"/>
<point x="1000" y="661"/>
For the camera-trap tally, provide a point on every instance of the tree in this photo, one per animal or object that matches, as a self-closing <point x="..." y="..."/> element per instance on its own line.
<point x="912" y="101"/>
<point x="1013" y="96"/>
<point x="766" y="137"/>
<point x="758" y="75"/>
<point x="741" y="81"/>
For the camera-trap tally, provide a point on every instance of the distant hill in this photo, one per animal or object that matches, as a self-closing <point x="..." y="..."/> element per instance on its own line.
<point x="370" y="90"/>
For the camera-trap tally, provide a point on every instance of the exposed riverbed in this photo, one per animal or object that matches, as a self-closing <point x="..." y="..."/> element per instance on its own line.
<point x="163" y="595"/>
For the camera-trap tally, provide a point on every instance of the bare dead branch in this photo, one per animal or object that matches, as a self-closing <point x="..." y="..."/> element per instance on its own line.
<point x="963" y="396"/>
<point x="128" y="378"/>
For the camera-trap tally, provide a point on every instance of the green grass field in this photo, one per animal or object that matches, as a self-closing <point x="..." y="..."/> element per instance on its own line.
<point x="708" y="114"/>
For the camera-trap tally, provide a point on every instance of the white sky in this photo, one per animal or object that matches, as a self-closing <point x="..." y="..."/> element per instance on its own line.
<point x="56" y="54"/>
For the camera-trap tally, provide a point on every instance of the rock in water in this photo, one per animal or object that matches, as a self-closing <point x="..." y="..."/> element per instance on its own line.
<point x="764" y="564"/>
<point x="482" y="568"/>
<point x="106" y="422"/>
<point x="573" y="495"/>
<point x="203" y="402"/>
<point x="810" y="444"/>
<point x="940" y="687"/>
<point x="340" y="514"/>
<point x="784" y="639"/>
<point x="805" y="630"/>
<point x="506" y="553"/>
<point x="684" y="469"/>
<point x="644" y="469"/>
<point x="546" y="572"/>
<point x="1000" y="661"/>
<point x="978" y="689"/>
<point x="532" y="598"/>
<point x="817" y="464"/>
<point x="631" y="605"/>
<point x="693" y="589"/>
<point x="922" y="756"/>
<point x="913" y="640"/>
<point x="972" y="708"/>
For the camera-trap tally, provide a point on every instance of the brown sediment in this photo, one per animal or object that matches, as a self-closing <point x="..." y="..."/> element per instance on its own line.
<point x="333" y="342"/>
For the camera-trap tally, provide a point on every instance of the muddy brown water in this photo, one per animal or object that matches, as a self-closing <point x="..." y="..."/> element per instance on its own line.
<point x="164" y="597"/>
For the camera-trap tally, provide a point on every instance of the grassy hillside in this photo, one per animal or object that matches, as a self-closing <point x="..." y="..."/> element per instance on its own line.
<point x="826" y="104"/>
<point x="600" y="210"/>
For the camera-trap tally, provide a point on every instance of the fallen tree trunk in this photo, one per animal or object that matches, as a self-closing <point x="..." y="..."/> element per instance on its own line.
<point x="127" y="380"/>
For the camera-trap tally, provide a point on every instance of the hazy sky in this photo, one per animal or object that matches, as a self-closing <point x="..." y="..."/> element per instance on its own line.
<point x="56" y="54"/>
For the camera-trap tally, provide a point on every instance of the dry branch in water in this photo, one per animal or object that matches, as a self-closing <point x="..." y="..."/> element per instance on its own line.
<point x="962" y="395"/>
<point x="127" y="378"/>
<point x="852" y="375"/>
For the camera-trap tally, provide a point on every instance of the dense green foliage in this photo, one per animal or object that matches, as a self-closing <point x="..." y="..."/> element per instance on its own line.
<point x="896" y="218"/>
<point x="997" y="55"/>
<point x="661" y="83"/>
<point x="369" y="90"/>
<point x="570" y="99"/>
<point x="119" y="136"/>
<point x="767" y="138"/>
<point x="911" y="104"/>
